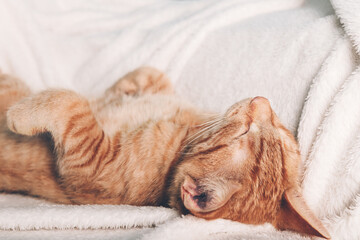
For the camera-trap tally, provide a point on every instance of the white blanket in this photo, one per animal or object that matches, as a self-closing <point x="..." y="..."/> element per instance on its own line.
<point x="293" y="52"/>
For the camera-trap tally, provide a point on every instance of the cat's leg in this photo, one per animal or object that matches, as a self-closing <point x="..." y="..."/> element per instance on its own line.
<point x="144" y="80"/>
<point x="141" y="81"/>
<point x="81" y="144"/>
<point x="11" y="91"/>
<point x="25" y="162"/>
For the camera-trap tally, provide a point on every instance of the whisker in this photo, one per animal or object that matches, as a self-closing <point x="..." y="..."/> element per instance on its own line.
<point x="201" y="132"/>
<point x="210" y="122"/>
<point x="205" y="128"/>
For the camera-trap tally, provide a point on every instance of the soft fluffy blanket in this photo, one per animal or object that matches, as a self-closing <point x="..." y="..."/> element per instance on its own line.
<point x="301" y="55"/>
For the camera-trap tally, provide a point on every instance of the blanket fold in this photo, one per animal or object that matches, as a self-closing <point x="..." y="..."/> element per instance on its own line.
<point x="29" y="215"/>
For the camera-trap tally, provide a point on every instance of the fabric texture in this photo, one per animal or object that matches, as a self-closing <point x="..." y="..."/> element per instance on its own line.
<point x="301" y="55"/>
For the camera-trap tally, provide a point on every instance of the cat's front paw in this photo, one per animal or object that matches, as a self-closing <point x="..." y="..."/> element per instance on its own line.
<point x="11" y="91"/>
<point x="19" y="119"/>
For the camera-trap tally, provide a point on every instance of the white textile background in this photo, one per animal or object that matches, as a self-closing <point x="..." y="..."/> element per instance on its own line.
<point x="294" y="52"/>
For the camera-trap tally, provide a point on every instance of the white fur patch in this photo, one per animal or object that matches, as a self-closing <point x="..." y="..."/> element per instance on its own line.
<point x="254" y="127"/>
<point x="240" y="155"/>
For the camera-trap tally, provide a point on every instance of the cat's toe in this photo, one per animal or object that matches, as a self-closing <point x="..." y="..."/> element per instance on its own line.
<point x="17" y="121"/>
<point x="143" y="80"/>
<point x="11" y="123"/>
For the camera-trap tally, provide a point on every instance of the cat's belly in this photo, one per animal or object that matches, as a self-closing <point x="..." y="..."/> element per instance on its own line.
<point x="152" y="130"/>
<point x="134" y="112"/>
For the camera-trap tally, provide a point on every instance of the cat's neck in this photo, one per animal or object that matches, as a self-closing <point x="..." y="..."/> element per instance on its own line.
<point x="183" y="148"/>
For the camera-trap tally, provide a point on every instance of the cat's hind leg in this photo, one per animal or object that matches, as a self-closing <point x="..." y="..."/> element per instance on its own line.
<point x="11" y="91"/>
<point x="82" y="147"/>
<point x="26" y="163"/>
<point x="142" y="81"/>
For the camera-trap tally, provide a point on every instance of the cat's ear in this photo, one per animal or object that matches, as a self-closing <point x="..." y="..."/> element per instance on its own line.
<point x="294" y="214"/>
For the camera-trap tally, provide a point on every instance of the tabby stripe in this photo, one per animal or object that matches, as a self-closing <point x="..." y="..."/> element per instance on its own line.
<point x="77" y="148"/>
<point x="155" y="135"/>
<point x="260" y="152"/>
<point x="255" y="170"/>
<point x="72" y="106"/>
<point x="101" y="157"/>
<point x="85" y="129"/>
<point x="95" y="153"/>
<point x="116" y="149"/>
<point x="136" y="144"/>
<point x="162" y="87"/>
<point x="123" y="193"/>
<point x="86" y="150"/>
<point x="126" y="155"/>
<point x="71" y="123"/>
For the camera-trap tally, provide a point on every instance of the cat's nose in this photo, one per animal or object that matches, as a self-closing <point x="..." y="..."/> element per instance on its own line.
<point x="260" y="108"/>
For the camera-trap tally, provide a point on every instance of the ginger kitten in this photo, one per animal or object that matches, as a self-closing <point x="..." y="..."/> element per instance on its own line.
<point x="139" y="144"/>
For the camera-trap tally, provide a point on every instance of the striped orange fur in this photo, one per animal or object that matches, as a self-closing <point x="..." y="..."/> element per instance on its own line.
<point x="140" y="144"/>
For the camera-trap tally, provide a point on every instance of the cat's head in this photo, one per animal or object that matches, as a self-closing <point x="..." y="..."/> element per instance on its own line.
<point x="243" y="166"/>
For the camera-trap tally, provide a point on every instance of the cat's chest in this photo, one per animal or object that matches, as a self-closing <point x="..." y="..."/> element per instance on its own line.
<point x="134" y="112"/>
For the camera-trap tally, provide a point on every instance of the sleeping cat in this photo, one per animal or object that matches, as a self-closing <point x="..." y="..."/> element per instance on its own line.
<point x="140" y="144"/>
